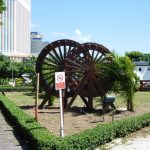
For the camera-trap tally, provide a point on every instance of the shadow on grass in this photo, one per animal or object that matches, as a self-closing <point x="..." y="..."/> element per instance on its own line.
<point x="42" y="112"/>
<point x="77" y="111"/>
<point x="29" y="94"/>
<point x="25" y="107"/>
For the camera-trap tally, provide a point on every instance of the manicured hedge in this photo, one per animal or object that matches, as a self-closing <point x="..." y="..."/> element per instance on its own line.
<point x="6" y="88"/>
<point x="41" y="139"/>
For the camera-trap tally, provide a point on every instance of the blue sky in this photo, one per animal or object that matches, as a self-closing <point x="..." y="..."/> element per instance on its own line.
<point x="120" y="25"/>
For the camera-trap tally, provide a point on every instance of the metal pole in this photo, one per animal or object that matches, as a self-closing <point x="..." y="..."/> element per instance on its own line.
<point x="36" y="97"/>
<point x="12" y="76"/>
<point x="61" y="115"/>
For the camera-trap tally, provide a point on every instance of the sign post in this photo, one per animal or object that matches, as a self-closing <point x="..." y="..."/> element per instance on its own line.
<point x="36" y="97"/>
<point x="59" y="85"/>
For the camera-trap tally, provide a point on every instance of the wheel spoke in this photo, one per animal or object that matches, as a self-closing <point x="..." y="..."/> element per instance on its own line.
<point x="64" y="51"/>
<point x="98" y="84"/>
<point x="47" y="64"/>
<point x="48" y="77"/>
<point x="50" y="60"/>
<point x="97" y="60"/>
<point x="51" y="81"/>
<point x="60" y="52"/>
<point x="49" y="68"/>
<point x="96" y="56"/>
<point x="77" y="60"/>
<point x="56" y="60"/>
<point x="75" y="64"/>
<point x="57" y="56"/>
<point x="93" y="54"/>
<point x="69" y="50"/>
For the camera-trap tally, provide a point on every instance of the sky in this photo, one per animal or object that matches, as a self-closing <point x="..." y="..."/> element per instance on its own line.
<point x="120" y="25"/>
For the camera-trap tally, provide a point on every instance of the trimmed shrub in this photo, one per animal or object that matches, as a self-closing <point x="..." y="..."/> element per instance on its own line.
<point x="41" y="139"/>
<point x="7" y="88"/>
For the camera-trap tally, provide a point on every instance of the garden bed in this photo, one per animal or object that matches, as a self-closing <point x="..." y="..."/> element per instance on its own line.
<point x="77" y="119"/>
<point x="39" y="138"/>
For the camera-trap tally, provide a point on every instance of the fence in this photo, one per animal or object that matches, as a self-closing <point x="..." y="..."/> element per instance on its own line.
<point x="144" y="85"/>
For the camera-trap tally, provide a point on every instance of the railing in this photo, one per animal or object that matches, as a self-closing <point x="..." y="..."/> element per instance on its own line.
<point x="144" y="85"/>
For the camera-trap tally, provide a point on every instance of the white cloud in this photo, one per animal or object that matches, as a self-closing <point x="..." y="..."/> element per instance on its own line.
<point x="77" y="36"/>
<point x="77" y="32"/>
<point x="32" y="25"/>
<point x="82" y="38"/>
<point x="59" y="34"/>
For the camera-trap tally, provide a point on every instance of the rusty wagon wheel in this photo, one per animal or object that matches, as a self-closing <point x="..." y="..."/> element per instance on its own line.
<point x="51" y="60"/>
<point x="82" y="74"/>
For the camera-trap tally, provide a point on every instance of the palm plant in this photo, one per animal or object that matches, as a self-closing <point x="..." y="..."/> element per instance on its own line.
<point x="121" y="71"/>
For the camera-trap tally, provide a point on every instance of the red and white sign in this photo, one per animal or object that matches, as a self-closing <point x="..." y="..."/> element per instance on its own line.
<point x="59" y="80"/>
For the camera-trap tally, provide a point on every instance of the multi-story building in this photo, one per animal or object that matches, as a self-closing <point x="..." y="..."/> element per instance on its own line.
<point x="15" y="28"/>
<point x="36" y="43"/>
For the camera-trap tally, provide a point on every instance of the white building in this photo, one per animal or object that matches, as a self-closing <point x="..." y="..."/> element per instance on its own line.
<point x="15" y="30"/>
<point x="36" y="43"/>
<point x="142" y="69"/>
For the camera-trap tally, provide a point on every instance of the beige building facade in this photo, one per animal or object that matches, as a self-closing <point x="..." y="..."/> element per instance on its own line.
<point x="15" y="30"/>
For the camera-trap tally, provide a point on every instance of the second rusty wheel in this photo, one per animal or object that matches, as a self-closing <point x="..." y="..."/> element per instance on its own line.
<point x="82" y="74"/>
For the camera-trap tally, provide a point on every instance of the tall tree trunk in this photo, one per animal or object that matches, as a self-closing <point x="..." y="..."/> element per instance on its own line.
<point x="130" y="105"/>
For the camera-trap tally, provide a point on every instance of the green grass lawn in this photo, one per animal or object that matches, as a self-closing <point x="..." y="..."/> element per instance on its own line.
<point x="21" y="98"/>
<point x="141" y="99"/>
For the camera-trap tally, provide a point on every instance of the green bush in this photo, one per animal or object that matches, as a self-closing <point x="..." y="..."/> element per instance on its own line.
<point x="19" y="81"/>
<point x="38" y="136"/>
<point x="7" y="88"/>
<point x="41" y="139"/>
<point x="4" y="81"/>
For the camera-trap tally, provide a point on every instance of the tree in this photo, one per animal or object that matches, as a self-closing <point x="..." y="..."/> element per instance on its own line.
<point x="138" y="56"/>
<point x="147" y="57"/>
<point x="2" y="8"/>
<point x="121" y="69"/>
<point x="135" y="55"/>
<point x="9" y="68"/>
<point x="5" y="66"/>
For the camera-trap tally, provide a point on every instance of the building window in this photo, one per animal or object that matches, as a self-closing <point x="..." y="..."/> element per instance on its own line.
<point x="140" y="69"/>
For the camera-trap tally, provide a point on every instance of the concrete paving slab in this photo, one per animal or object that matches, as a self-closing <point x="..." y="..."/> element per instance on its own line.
<point x="9" y="138"/>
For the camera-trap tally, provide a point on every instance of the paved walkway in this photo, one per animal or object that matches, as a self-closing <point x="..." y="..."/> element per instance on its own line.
<point x="9" y="139"/>
<point x="139" y="140"/>
<point x="134" y="144"/>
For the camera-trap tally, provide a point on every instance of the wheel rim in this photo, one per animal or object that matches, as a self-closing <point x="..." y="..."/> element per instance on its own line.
<point x="52" y="59"/>
<point x="81" y="72"/>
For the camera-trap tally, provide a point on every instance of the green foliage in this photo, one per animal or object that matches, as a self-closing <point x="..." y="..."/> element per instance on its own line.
<point x="19" y="81"/>
<point x="5" y="64"/>
<point x="121" y="70"/>
<point x="138" y="56"/>
<point x="38" y="136"/>
<point x="9" y="68"/>
<point x="4" y="81"/>
<point x="29" y="65"/>
<point x="126" y="79"/>
<point x="40" y="139"/>
<point x="2" y="6"/>
<point x="7" y="88"/>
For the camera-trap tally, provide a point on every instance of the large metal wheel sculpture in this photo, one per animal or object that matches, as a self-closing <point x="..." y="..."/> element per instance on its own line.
<point x="51" y="60"/>
<point x="79" y="61"/>
<point x="83" y="77"/>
